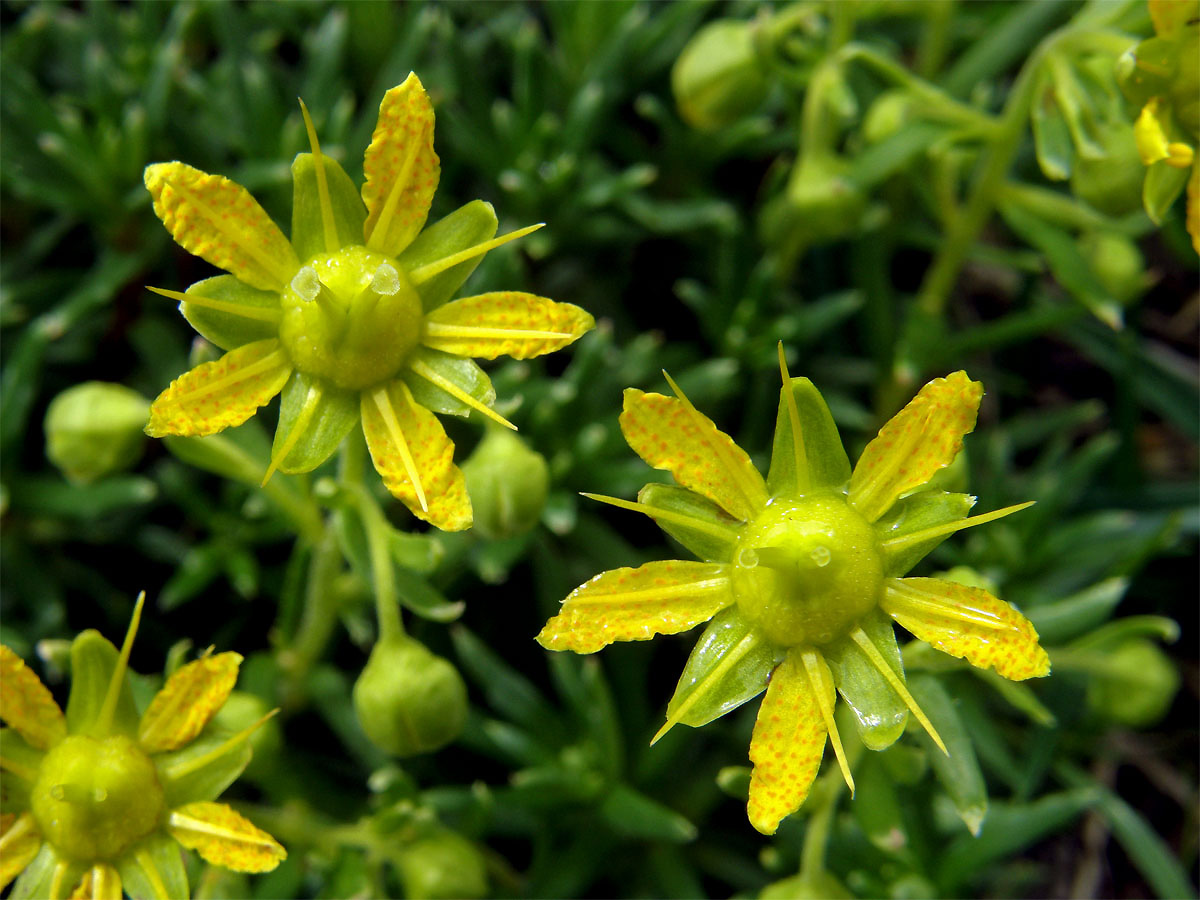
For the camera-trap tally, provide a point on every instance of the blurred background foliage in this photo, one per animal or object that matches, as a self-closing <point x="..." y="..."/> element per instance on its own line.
<point x="893" y="189"/>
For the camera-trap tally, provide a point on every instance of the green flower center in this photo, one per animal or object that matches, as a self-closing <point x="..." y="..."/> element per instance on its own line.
<point x="95" y="797"/>
<point x="805" y="571"/>
<point x="350" y="317"/>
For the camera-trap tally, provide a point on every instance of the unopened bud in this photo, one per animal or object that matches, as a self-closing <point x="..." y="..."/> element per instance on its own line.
<point x="718" y="78"/>
<point x="95" y="429"/>
<point x="508" y="483"/>
<point x="441" y="866"/>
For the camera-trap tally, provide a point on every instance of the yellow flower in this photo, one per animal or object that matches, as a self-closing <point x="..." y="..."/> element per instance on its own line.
<point x="800" y="574"/>
<point x="350" y="319"/>
<point x="98" y="800"/>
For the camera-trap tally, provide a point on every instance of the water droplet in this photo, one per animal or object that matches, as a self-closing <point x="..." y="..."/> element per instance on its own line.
<point x="306" y="284"/>
<point x="821" y="556"/>
<point x="386" y="280"/>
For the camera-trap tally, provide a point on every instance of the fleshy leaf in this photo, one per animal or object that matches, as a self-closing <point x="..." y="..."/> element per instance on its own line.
<point x="464" y="374"/>
<point x="225" y="838"/>
<point x="663" y="597"/>
<point x="401" y="168"/>
<point x="685" y="503"/>
<point x="26" y="704"/>
<point x="93" y="661"/>
<point x="100" y="882"/>
<point x="200" y="770"/>
<point x="186" y="703"/>
<point x="824" y="456"/>
<point x="1051" y="136"/>
<point x="786" y="747"/>
<point x="879" y="713"/>
<point x="19" y="844"/>
<point x="216" y="219"/>
<point x="919" y="440"/>
<point x="924" y="509"/>
<point x="415" y="457"/>
<point x="469" y="225"/>
<point x="308" y="229"/>
<point x="969" y="623"/>
<point x="958" y="770"/>
<point x="154" y="869"/>
<point x="216" y="395"/>
<point x="671" y="434"/>
<point x="321" y="416"/>
<point x="225" y="327"/>
<point x="504" y="323"/>
<point x="729" y="665"/>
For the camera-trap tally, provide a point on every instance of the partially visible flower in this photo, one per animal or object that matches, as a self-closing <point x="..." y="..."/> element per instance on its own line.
<point x="350" y="319"/>
<point x="99" y="800"/>
<point x="801" y="573"/>
<point x="1164" y="76"/>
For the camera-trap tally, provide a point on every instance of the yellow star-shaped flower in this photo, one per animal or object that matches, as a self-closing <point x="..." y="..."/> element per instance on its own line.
<point x="100" y="799"/>
<point x="349" y="319"/>
<point x="801" y="576"/>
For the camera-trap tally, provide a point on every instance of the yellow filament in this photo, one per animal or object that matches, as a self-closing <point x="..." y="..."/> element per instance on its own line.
<point x="331" y="239"/>
<point x="421" y="274"/>
<point x="380" y="398"/>
<point x="860" y="637"/>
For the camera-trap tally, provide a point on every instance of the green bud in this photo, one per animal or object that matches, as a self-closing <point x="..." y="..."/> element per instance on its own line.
<point x="1112" y="183"/>
<point x="408" y="700"/>
<point x="442" y="865"/>
<point x="508" y="483"/>
<point x="1137" y="686"/>
<point x="820" y="205"/>
<point x="1118" y="264"/>
<point x="890" y="112"/>
<point x="95" y="429"/>
<point x="718" y="78"/>
<point x="815" y="886"/>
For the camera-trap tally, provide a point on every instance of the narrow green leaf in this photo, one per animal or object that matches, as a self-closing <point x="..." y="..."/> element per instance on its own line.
<point x="419" y="596"/>
<point x="637" y="817"/>
<point x="507" y="690"/>
<point x="876" y="808"/>
<point x="1051" y="133"/>
<point x="1071" y="616"/>
<point x="959" y="771"/>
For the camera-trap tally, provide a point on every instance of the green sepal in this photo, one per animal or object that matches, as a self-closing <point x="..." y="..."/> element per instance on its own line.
<point x="958" y="770"/>
<point x="463" y="372"/>
<point x="225" y="329"/>
<point x="1147" y="70"/>
<point x="163" y="854"/>
<point x="723" y="692"/>
<point x="635" y="816"/>
<point x="879" y="713"/>
<point x="1051" y="135"/>
<point x="308" y="229"/>
<point x="467" y="226"/>
<point x="14" y="790"/>
<point x="93" y="661"/>
<point x="1162" y="185"/>
<point x="673" y="498"/>
<point x="925" y="509"/>
<point x="212" y="778"/>
<point x="828" y="466"/>
<point x="336" y="412"/>
<point x="35" y="880"/>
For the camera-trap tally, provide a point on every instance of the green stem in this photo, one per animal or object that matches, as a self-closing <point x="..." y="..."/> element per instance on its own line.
<point x="825" y="796"/>
<point x="320" y="609"/>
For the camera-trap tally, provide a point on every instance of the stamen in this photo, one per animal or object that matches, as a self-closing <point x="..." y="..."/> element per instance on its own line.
<point x="801" y="455"/>
<point x="380" y="398"/>
<point x="442" y="330"/>
<point x="298" y="427"/>
<point x="744" y="646"/>
<point x="898" y="545"/>
<point x="877" y="660"/>
<point x="902" y="597"/>
<point x="259" y="313"/>
<point x="668" y="515"/>
<point x="150" y="870"/>
<point x="103" y="724"/>
<point x="331" y="239"/>
<point x="822" y="684"/>
<point x="187" y="767"/>
<point x="434" y="377"/>
<point x="421" y="274"/>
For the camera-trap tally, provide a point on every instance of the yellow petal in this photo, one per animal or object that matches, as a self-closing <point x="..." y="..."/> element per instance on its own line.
<point x="186" y="703"/>
<point x="920" y="439"/>
<point x="786" y="747"/>
<point x="100" y="882"/>
<point x="19" y="844"/>
<point x="415" y="457"/>
<point x="671" y="434"/>
<point x="505" y="323"/>
<point x="1193" y="205"/>
<point x="217" y="395"/>
<point x="225" y="838"/>
<point x="969" y="623"/>
<point x="1169" y="16"/>
<point x="1149" y="134"/>
<point x="401" y="168"/>
<point x="27" y="705"/>
<point x="217" y="220"/>
<point x="636" y="604"/>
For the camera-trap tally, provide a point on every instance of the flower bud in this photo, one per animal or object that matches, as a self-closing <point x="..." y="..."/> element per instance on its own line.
<point x="718" y="78"/>
<point x="409" y="700"/>
<point x="1137" y="686"/>
<point x="508" y="483"/>
<point x="820" y="205"/>
<point x="1112" y="183"/>
<point x="815" y="886"/>
<point x="442" y="865"/>
<point x="890" y="112"/>
<point x="95" y="429"/>
<point x="1118" y="264"/>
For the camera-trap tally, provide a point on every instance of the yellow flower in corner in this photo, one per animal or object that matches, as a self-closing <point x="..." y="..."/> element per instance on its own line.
<point x="350" y="319"/>
<point x="100" y="799"/>
<point x="801" y="576"/>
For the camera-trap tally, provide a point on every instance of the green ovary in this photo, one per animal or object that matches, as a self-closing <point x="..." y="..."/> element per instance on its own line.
<point x="350" y="317"/>
<point x="94" y="798"/>
<point x="805" y="571"/>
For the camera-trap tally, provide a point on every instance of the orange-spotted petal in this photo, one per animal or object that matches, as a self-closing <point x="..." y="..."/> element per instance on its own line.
<point x="669" y="433"/>
<point x="223" y="393"/>
<point x="186" y="703"/>
<point x="414" y="455"/>
<point x="401" y="168"/>
<point x="1150" y="135"/>
<point x="969" y="623"/>
<point x="225" y="838"/>
<point x="787" y="743"/>
<point x="217" y="220"/>
<point x="100" y="882"/>
<point x="504" y="323"/>
<point x="27" y="705"/>
<point x="663" y="597"/>
<point x="19" y="844"/>
<point x="920" y="439"/>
